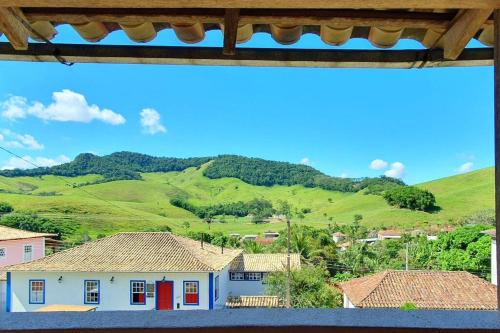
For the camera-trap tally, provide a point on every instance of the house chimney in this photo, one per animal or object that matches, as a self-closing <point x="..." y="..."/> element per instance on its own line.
<point x="222" y="248"/>
<point x="202" y="240"/>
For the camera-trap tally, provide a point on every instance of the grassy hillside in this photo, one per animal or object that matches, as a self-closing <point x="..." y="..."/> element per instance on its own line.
<point x="128" y="205"/>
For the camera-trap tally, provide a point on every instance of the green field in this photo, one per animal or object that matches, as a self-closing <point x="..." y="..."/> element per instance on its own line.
<point x="133" y="205"/>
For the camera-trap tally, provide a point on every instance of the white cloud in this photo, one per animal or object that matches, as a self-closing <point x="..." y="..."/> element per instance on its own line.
<point x="17" y="163"/>
<point x="151" y="122"/>
<point x="305" y="161"/>
<point x="397" y="170"/>
<point x="66" y="105"/>
<point x="11" y="139"/>
<point x="378" y="164"/>
<point x="466" y="167"/>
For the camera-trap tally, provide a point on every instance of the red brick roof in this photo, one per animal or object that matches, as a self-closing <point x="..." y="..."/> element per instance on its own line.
<point x="425" y="289"/>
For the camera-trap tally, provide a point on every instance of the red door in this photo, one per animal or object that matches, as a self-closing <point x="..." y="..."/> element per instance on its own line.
<point x="164" y="295"/>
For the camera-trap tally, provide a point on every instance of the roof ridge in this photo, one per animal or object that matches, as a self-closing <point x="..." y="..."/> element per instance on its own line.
<point x="382" y="278"/>
<point x="175" y="237"/>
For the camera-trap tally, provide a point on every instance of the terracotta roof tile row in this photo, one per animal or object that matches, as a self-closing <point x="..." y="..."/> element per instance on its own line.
<point x="235" y="302"/>
<point x="425" y="289"/>
<point x="264" y="262"/>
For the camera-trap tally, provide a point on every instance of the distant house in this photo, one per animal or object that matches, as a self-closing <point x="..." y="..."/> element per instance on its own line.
<point x="18" y="246"/>
<point x="338" y="237"/>
<point x="492" y="233"/>
<point x="424" y="289"/>
<point x="344" y="245"/>
<point x="247" y="272"/>
<point x="271" y="235"/>
<point x="127" y="271"/>
<point x="252" y="238"/>
<point x="388" y="234"/>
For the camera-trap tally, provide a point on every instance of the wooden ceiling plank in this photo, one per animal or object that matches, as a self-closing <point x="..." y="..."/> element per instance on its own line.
<point x="231" y="19"/>
<point x="462" y="30"/>
<point x="16" y="32"/>
<point x="309" y="4"/>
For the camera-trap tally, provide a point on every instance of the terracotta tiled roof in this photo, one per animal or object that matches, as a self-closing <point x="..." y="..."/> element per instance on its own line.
<point x="425" y="289"/>
<point x="3" y="276"/>
<point x="491" y="232"/>
<point x="135" y="252"/>
<point x="192" y="28"/>
<point x="234" y="302"/>
<point x="7" y="233"/>
<point x="264" y="262"/>
<point x="389" y="233"/>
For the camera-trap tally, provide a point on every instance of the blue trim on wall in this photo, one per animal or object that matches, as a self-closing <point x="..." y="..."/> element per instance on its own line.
<point x="217" y="288"/>
<point x="29" y="290"/>
<point x="210" y="291"/>
<point x="156" y="293"/>
<point x="85" y="292"/>
<point x="184" y="293"/>
<point x="9" y="293"/>
<point x="131" y="298"/>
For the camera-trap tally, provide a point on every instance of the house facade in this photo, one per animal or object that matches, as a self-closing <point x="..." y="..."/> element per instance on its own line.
<point x="137" y="271"/>
<point x="422" y="289"/>
<point x="494" y="276"/>
<point x="18" y="246"/>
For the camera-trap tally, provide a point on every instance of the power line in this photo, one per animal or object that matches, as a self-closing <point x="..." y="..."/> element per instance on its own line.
<point x="64" y="180"/>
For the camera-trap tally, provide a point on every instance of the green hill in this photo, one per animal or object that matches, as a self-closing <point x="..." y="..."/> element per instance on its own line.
<point x="141" y="204"/>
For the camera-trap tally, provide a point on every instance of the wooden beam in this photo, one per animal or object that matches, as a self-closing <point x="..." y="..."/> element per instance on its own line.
<point x="11" y="26"/>
<point x="359" y="18"/>
<point x="497" y="141"/>
<point x="462" y="30"/>
<point x="85" y="53"/>
<point x="230" y="31"/>
<point x="309" y="4"/>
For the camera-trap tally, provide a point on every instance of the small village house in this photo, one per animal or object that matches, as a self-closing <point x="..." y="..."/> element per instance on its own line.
<point x="338" y="237"/>
<point x="140" y="271"/>
<point x="18" y="246"/>
<point x="248" y="272"/>
<point x="423" y="289"/>
<point x="388" y="234"/>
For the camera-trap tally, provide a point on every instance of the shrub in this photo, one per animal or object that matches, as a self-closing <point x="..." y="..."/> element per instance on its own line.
<point x="410" y="197"/>
<point x="6" y="208"/>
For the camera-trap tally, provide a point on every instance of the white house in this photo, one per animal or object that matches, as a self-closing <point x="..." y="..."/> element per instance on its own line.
<point x="18" y="246"/>
<point x="492" y="233"/>
<point x="137" y="271"/>
<point x="247" y="272"/>
<point x="388" y="234"/>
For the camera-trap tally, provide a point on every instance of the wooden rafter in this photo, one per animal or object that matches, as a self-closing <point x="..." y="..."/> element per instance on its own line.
<point x="84" y="53"/>
<point x="12" y="27"/>
<point x="462" y="30"/>
<point x="309" y="4"/>
<point x="230" y="31"/>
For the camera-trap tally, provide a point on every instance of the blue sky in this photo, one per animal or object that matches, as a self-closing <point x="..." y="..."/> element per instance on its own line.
<point x="422" y="124"/>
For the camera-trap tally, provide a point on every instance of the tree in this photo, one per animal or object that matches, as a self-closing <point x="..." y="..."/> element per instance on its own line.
<point x="5" y="208"/>
<point x="410" y="197"/>
<point x="186" y="225"/>
<point x="309" y="288"/>
<point x="252" y="247"/>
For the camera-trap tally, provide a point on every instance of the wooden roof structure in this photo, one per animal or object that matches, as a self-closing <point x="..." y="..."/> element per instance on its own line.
<point x="443" y="27"/>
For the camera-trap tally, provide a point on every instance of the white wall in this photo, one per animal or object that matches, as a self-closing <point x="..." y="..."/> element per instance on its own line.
<point x="246" y="288"/>
<point x="347" y="303"/>
<point x="224" y="288"/>
<point x="3" y="297"/>
<point x="494" y="277"/>
<point x="114" y="296"/>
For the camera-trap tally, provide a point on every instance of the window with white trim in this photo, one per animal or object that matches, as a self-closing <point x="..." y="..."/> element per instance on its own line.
<point x="37" y="292"/>
<point x="217" y="287"/>
<point x="253" y="276"/>
<point x="92" y="292"/>
<point x="2" y="253"/>
<point x="137" y="292"/>
<point x="191" y="293"/>
<point x="28" y="253"/>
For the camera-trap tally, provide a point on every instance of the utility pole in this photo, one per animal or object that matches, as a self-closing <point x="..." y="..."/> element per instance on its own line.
<point x="407" y="255"/>
<point x="288" y="268"/>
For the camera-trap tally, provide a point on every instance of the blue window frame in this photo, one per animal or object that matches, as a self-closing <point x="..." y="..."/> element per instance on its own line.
<point x="216" y="287"/>
<point x="37" y="291"/>
<point x="191" y="292"/>
<point x="92" y="292"/>
<point x="137" y="292"/>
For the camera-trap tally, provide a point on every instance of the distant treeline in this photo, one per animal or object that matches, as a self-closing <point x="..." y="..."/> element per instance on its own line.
<point x="254" y="171"/>
<point x="259" y="208"/>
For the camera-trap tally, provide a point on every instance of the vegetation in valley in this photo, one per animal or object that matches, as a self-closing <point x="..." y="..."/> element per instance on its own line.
<point x="410" y="197"/>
